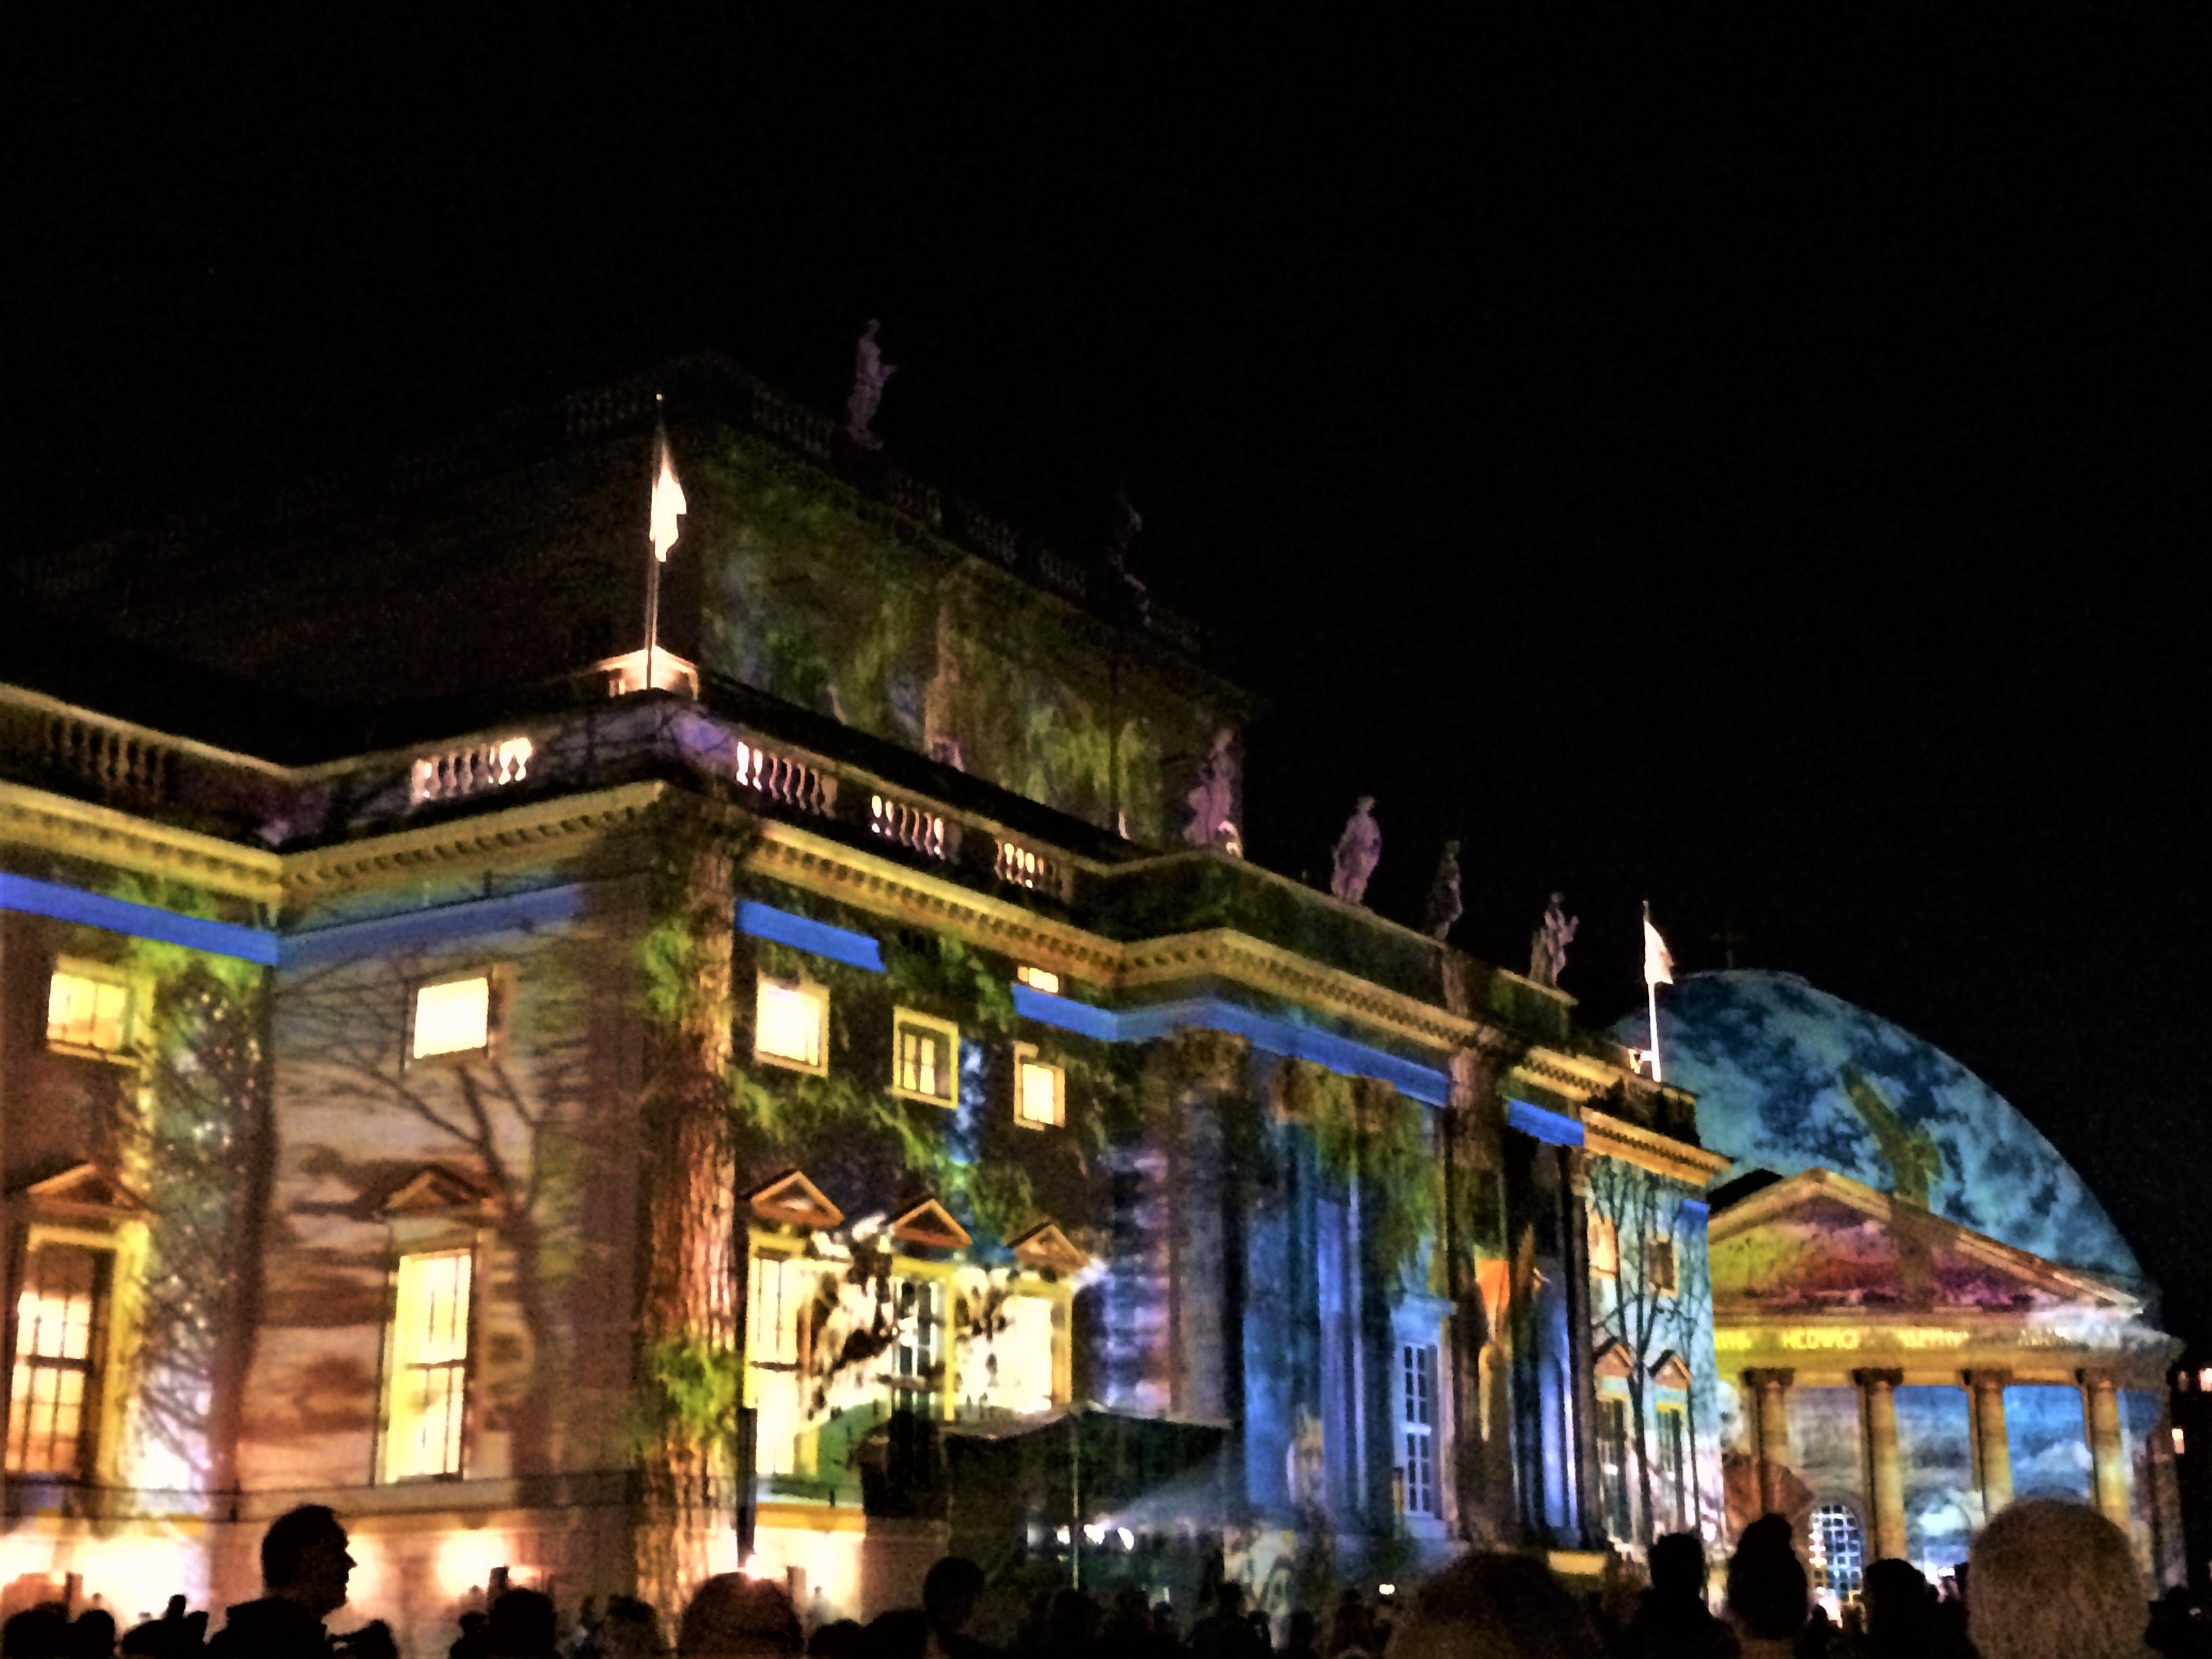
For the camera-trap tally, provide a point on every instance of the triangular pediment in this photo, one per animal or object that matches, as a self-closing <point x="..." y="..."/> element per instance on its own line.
<point x="1669" y="1372"/>
<point x="434" y="1190"/>
<point x="1820" y="1241"/>
<point x="794" y="1199"/>
<point x="930" y="1224"/>
<point x="1049" y="1250"/>
<point x="1613" y="1360"/>
<point x="83" y="1190"/>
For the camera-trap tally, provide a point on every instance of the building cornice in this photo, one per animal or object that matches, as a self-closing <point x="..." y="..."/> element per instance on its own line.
<point x="554" y="828"/>
<point x="1606" y="1136"/>
<point x="78" y="829"/>
<point x="1228" y="954"/>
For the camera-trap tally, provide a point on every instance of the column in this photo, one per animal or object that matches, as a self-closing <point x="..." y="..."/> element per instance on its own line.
<point x="2108" y="1448"/>
<point x="1885" y="1472"/>
<point x="1769" y="1389"/>
<point x="1992" y="1452"/>
<point x="1574" y="1226"/>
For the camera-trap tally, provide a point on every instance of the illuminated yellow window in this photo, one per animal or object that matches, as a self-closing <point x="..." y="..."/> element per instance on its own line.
<point x="452" y="1016"/>
<point x="925" y="1058"/>
<point x="87" y="1011"/>
<point x="1040" y="1090"/>
<point x="428" y="1385"/>
<point x="1604" y="1248"/>
<point x="54" y="1399"/>
<point x="1039" y="978"/>
<point x="791" y="1024"/>
<point x="782" y="1293"/>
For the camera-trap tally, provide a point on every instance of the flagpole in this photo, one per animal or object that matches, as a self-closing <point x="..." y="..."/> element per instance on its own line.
<point x="652" y="572"/>
<point x="1652" y="999"/>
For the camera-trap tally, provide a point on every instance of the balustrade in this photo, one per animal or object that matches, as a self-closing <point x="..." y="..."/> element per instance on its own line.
<point x="457" y="772"/>
<point x="914" y="828"/>
<point x="116" y="763"/>
<point x="787" y="781"/>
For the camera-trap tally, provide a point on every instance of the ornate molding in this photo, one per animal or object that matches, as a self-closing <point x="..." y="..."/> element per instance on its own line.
<point x="549" y="827"/>
<point x="81" y="829"/>
<point x="1606" y="1136"/>
<point x="1224" y="953"/>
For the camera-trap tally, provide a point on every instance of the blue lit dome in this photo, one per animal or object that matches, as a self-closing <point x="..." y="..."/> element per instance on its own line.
<point x="1789" y="1078"/>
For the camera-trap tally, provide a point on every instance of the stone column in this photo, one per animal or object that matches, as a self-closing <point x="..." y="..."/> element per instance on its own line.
<point x="1885" y="1471"/>
<point x="1769" y="1390"/>
<point x="2108" y="1446"/>
<point x="1992" y="1452"/>
<point x="1582" y="1372"/>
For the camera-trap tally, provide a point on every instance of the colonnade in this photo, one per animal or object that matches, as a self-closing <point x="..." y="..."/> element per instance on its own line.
<point x="1767" y="1389"/>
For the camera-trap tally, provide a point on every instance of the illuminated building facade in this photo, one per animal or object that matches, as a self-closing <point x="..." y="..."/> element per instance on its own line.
<point x="844" y="1100"/>
<point x="1921" y="1313"/>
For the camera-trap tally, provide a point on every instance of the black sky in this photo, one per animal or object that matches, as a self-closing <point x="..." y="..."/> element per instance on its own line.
<point x="1754" y="461"/>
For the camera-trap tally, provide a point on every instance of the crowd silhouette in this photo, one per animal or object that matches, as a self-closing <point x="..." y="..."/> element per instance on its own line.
<point x="2046" y="1580"/>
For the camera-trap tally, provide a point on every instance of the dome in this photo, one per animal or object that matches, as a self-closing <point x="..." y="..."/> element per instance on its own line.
<point x="1789" y="1079"/>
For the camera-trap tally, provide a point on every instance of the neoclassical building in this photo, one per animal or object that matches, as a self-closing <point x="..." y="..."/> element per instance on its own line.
<point x="828" y="1093"/>
<point x="1920" y="1311"/>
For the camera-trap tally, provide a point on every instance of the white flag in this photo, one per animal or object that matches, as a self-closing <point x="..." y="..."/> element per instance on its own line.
<point x="667" y="505"/>
<point x="1658" y="966"/>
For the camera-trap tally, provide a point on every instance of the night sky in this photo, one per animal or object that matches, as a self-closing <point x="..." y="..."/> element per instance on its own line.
<point x="1754" y="463"/>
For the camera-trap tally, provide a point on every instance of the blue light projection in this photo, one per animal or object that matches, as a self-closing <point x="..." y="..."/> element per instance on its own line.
<point x="1767" y="1055"/>
<point x="31" y="896"/>
<point x="804" y="933"/>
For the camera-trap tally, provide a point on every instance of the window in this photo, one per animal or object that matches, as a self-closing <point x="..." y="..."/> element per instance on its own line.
<point x="1660" y="1254"/>
<point x="926" y="1058"/>
<point x="1613" y="1465"/>
<point x="779" y="1296"/>
<point x="452" y="1016"/>
<point x="429" y="1366"/>
<point x="1040" y="1090"/>
<point x="1839" y="1551"/>
<point x="87" y="1011"/>
<point x="1039" y="978"/>
<point x="60" y="1337"/>
<point x="791" y="1024"/>
<point x="1417" y="1413"/>
<point x="1673" y="1470"/>
<point x="917" y="1357"/>
<point x="1604" y="1248"/>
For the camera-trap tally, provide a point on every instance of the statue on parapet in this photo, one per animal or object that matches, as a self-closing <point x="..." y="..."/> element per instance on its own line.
<point x="1443" y="907"/>
<point x="1358" y="851"/>
<point x="870" y="372"/>
<point x="1213" y="803"/>
<point x="1547" y="945"/>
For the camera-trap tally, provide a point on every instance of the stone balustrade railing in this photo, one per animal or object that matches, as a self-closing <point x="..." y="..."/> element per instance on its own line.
<point x="454" y="773"/>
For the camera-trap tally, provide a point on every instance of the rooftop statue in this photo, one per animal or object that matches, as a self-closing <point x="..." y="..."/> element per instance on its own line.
<point x="1213" y="802"/>
<point x="1547" y="947"/>
<point x="870" y="373"/>
<point x="1444" y="906"/>
<point x="1128" y="525"/>
<point x="1359" y="850"/>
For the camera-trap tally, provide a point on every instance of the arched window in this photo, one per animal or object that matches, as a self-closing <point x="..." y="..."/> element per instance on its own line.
<point x="1839" y="1551"/>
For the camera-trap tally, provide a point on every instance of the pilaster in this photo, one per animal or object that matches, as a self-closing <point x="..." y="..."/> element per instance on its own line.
<point x="1770" y="1395"/>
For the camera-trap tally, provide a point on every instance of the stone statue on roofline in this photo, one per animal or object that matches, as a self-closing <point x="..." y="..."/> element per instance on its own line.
<point x="1443" y="907"/>
<point x="1126" y="525"/>
<point x="1547" y="947"/>
<point x="1213" y="803"/>
<point x="1359" y="850"/>
<point x="870" y="373"/>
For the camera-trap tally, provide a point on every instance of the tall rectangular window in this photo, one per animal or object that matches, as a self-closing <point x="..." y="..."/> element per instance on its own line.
<point x="791" y="1024"/>
<point x="60" y="1329"/>
<point x="1613" y="1464"/>
<point x="918" y="1356"/>
<point x="428" y="1386"/>
<point x="780" y="1296"/>
<point x="1673" y="1470"/>
<point x="452" y="1018"/>
<point x="1417" y="1429"/>
<point x="926" y="1058"/>
<point x="1660" y="1255"/>
<point x="87" y="1012"/>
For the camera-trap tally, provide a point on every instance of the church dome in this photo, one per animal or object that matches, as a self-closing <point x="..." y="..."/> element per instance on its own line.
<point x="1789" y="1079"/>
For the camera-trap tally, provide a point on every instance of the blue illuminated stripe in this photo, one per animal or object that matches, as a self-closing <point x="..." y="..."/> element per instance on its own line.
<point x="1080" y="1018"/>
<point x="218" y="938"/>
<point x="1554" y="1127"/>
<point x="1697" y="1210"/>
<point x="448" y="924"/>
<point x="804" y="933"/>
<point x="1266" y="1033"/>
